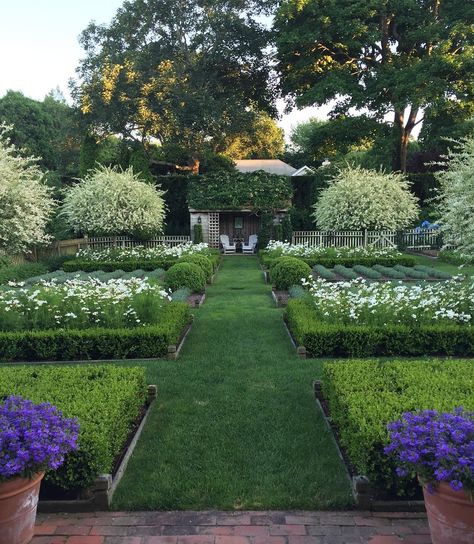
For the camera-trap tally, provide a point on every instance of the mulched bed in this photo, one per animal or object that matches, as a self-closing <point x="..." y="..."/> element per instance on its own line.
<point x="196" y="299"/>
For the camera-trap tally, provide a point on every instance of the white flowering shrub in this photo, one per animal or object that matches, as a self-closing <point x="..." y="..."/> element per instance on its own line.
<point x="455" y="199"/>
<point x="366" y="199"/>
<point x="110" y="202"/>
<point x="81" y="304"/>
<point x="378" y="303"/>
<point x="276" y="249"/>
<point x="25" y="201"/>
<point x="140" y="253"/>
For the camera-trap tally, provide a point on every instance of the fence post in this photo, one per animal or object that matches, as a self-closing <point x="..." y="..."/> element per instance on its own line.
<point x="366" y="238"/>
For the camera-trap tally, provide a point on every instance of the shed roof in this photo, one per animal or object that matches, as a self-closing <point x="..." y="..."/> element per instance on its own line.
<point x="271" y="166"/>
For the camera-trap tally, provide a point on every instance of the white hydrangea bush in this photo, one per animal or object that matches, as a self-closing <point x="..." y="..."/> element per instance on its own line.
<point x="357" y="199"/>
<point x="455" y="198"/>
<point x="110" y="202"/>
<point x="26" y="203"/>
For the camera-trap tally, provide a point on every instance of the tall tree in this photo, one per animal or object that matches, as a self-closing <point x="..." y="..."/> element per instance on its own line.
<point x="262" y="139"/>
<point x="187" y="72"/>
<point x="397" y="56"/>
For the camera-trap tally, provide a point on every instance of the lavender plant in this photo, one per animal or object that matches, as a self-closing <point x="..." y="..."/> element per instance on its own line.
<point x="33" y="437"/>
<point x="438" y="447"/>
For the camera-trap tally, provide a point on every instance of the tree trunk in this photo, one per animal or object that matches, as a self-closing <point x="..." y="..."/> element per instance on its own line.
<point x="402" y="133"/>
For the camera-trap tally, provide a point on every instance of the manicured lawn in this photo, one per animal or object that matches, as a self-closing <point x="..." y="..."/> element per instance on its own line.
<point x="235" y="424"/>
<point x="445" y="267"/>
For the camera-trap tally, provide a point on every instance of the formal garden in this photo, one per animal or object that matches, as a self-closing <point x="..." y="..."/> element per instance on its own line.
<point x="183" y="327"/>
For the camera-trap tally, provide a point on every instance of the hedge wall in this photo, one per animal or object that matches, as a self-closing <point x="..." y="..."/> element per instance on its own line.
<point x="177" y="217"/>
<point x="342" y="340"/>
<point x="151" y="341"/>
<point x="106" y="399"/>
<point x="365" y="395"/>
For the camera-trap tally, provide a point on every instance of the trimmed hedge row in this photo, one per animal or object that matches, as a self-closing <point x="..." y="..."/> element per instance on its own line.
<point x="106" y="399"/>
<point x="77" y="265"/>
<point x="365" y="395"/>
<point x="342" y="340"/>
<point x="331" y="262"/>
<point x="99" y="343"/>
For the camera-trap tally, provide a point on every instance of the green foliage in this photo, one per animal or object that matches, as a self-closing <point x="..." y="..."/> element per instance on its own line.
<point x="390" y="272"/>
<point x="175" y="189"/>
<point x="330" y="260"/>
<point x="197" y="231"/>
<point x="368" y="272"/>
<point x="181" y="294"/>
<point x="346" y="273"/>
<point x="21" y="272"/>
<point x="89" y="154"/>
<point x="265" y="234"/>
<point x="186" y="274"/>
<point x="262" y="138"/>
<point x="364" y="396"/>
<point x="78" y="265"/>
<point x="324" y="272"/>
<point x="286" y="229"/>
<point x="257" y="191"/>
<point x="107" y="400"/>
<point x="414" y="273"/>
<point x="433" y="272"/>
<point x="455" y="198"/>
<point x="165" y="87"/>
<point x="110" y="202"/>
<point x="288" y="271"/>
<point x="306" y="191"/>
<point x="344" y="340"/>
<point x="90" y="344"/>
<point x="353" y="51"/>
<point x="204" y="263"/>
<point x="366" y="199"/>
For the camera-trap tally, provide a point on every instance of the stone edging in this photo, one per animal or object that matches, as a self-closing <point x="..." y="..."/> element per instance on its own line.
<point x="105" y="485"/>
<point x="300" y="350"/>
<point x="361" y="487"/>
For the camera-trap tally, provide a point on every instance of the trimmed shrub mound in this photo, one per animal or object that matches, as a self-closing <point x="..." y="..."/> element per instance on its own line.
<point x="288" y="271"/>
<point x="204" y="263"/>
<point x="186" y="275"/>
<point x="83" y="265"/>
<point x="346" y="340"/>
<point x="365" y="395"/>
<point x="98" y="343"/>
<point x="106" y="399"/>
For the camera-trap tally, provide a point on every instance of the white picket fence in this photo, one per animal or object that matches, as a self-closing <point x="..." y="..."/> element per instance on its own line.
<point x="411" y="239"/>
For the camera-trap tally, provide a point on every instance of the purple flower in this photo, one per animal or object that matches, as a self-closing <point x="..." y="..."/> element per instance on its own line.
<point x="437" y="446"/>
<point x="33" y="437"/>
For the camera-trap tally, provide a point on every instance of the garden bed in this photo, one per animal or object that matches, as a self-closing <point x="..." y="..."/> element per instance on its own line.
<point x="360" y="397"/>
<point x="110" y="403"/>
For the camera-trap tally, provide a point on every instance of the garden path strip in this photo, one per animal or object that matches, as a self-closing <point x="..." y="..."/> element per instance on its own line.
<point x="235" y="424"/>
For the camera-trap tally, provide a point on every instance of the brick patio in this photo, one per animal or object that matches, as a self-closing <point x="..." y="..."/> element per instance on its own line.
<point x="232" y="528"/>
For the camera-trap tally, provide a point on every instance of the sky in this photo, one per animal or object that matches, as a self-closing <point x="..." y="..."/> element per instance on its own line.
<point x="39" y="47"/>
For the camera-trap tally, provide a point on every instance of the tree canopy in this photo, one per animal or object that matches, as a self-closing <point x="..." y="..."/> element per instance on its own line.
<point x="388" y="56"/>
<point x="185" y="72"/>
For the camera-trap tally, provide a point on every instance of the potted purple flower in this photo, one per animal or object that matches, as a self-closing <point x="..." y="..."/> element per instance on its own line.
<point x="439" y="449"/>
<point x="34" y="438"/>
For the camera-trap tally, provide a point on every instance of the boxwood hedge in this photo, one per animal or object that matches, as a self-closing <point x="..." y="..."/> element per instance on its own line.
<point x="106" y="399"/>
<point x="343" y="340"/>
<point x="364" y="395"/>
<point x="77" y="265"/>
<point x="99" y="343"/>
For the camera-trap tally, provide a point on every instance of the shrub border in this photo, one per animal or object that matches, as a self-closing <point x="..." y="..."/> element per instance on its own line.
<point x="105" y="485"/>
<point x="91" y="339"/>
<point x="361" y="486"/>
<point x="377" y="341"/>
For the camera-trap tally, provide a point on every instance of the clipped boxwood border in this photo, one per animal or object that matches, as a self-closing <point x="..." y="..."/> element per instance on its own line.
<point x="315" y="338"/>
<point x="149" y="342"/>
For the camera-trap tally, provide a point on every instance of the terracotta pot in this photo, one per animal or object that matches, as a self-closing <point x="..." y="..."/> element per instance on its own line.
<point x="450" y="515"/>
<point x="18" y="502"/>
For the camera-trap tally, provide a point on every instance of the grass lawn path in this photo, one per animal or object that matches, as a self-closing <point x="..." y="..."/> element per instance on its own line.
<point x="235" y="423"/>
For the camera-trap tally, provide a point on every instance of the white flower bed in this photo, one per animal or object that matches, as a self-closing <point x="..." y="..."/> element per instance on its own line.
<point x="81" y="304"/>
<point x="121" y="254"/>
<point x="303" y="250"/>
<point x="365" y="303"/>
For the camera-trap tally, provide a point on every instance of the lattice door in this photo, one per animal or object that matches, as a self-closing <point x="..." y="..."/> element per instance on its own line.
<point x="214" y="229"/>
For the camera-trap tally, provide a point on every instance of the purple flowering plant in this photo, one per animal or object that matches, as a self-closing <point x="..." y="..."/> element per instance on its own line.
<point x="438" y="447"/>
<point x="33" y="437"/>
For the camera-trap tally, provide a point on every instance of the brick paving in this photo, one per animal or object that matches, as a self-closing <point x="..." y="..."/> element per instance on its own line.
<point x="233" y="528"/>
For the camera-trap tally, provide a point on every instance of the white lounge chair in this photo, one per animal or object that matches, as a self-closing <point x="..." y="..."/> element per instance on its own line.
<point x="250" y="247"/>
<point x="226" y="245"/>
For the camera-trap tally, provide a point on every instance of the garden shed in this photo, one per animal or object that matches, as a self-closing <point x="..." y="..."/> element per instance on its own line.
<point x="234" y="204"/>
